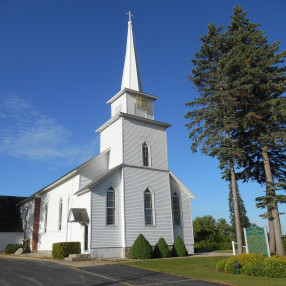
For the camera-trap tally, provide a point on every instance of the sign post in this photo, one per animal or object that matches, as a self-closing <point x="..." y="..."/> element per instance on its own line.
<point x="256" y="240"/>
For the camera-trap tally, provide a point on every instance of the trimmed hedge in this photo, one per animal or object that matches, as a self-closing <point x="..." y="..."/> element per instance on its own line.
<point x="141" y="248"/>
<point x="269" y="267"/>
<point x="161" y="249"/>
<point x="64" y="249"/>
<point x="179" y="248"/>
<point x="12" y="248"/>
<point x="255" y="265"/>
<point x="242" y="259"/>
<point x="221" y="265"/>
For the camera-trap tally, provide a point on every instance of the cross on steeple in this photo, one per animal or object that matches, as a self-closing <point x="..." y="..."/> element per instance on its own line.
<point x="130" y="15"/>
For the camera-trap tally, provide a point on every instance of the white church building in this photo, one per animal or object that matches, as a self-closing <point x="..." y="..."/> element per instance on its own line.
<point x="126" y="190"/>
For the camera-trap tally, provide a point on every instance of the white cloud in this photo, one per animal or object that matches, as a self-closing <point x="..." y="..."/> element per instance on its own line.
<point x="27" y="134"/>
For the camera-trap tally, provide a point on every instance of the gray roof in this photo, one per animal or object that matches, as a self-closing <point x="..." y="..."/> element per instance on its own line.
<point x="66" y="176"/>
<point x="79" y="215"/>
<point x="10" y="218"/>
<point x="98" y="179"/>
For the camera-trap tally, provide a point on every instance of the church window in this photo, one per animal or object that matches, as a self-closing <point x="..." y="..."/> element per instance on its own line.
<point x="176" y="209"/>
<point x="26" y="211"/>
<point x="46" y="219"/>
<point x="146" y="154"/>
<point x="60" y="214"/>
<point x="148" y="207"/>
<point x="110" y="206"/>
<point x="140" y="102"/>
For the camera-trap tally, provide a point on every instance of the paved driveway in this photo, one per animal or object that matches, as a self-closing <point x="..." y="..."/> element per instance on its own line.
<point x="16" y="272"/>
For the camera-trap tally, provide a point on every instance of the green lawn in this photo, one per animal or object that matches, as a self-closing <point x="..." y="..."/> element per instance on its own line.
<point x="204" y="268"/>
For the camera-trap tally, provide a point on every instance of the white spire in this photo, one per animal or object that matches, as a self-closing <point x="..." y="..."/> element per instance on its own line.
<point x="131" y="75"/>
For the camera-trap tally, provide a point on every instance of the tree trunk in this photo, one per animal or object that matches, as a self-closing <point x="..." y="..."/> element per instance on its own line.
<point x="271" y="231"/>
<point x="238" y="228"/>
<point x="236" y="211"/>
<point x="273" y="207"/>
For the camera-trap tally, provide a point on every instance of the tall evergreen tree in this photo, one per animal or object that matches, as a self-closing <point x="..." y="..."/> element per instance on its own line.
<point x="213" y="124"/>
<point x="243" y="111"/>
<point x="254" y="74"/>
<point x="242" y="211"/>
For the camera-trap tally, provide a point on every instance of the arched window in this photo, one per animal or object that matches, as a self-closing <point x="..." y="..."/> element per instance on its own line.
<point x="176" y="209"/>
<point x="26" y="211"/>
<point x="146" y="154"/>
<point x="110" y="206"/>
<point x="60" y="213"/>
<point x="46" y="219"/>
<point x="148" y="207"/>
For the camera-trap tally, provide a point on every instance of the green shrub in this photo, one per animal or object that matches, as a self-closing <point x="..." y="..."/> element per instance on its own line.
<point x="221" y="265"/>
<point x="276" y="256"/>
<point x="141" y="248"/>
<point x="12" y="248"/>
<point x="64" y="249"/>
<point x="242" y="259"/>
<point x="179" y="248"/>
<point x="272" y="267"/>
<point x="161" y="249"/>
<point x="253" y="268"/>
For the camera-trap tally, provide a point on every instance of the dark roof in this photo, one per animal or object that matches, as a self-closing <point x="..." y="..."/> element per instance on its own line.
<point x="10" y="218"/>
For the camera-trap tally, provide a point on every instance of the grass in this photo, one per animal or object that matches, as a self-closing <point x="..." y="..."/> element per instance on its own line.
<point x="204" y="268"/>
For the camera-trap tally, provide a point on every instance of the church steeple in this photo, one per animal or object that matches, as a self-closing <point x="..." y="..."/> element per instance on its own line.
<point x="131" y="75"/>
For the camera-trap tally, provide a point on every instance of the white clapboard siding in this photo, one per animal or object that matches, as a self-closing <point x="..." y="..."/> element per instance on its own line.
<point x="119" y="105"/>
<point x="135" y="133"/>
<point x="104" y="235"/>
<point x="69" y="231"/>
<point x="185" y="231"/>
<point x="93" y="169"/>
<point x="136" y="181"/>
<point x="111" y="137"/>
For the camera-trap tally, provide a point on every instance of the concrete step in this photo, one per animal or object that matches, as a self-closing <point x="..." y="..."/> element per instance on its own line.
<point x="78" y="257"/>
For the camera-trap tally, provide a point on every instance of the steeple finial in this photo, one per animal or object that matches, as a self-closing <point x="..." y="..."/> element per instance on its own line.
<point x="131" y="75"/>
<point x="130" y="15"/>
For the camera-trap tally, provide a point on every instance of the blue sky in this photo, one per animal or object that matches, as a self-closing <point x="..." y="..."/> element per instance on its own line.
<point x="60" y="61"/>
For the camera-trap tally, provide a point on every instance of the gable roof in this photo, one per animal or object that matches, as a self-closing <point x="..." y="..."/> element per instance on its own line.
<point x="68" y="175"/>
<point x="98" y="180"/>
<point x="181" y="185"/>
<point x="10" y="218"/>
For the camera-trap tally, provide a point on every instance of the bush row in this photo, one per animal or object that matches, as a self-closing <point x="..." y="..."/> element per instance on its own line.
<point x="254" y="265"/>
<point x="64" y="249"/>
<point x="12" y="248"/>
<point x="141" y="248"/>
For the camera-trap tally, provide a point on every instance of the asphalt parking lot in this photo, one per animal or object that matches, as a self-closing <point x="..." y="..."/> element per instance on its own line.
<point x="22" y="272"/>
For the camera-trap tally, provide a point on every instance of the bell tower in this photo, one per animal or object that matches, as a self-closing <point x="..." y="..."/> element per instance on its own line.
<point x="132" y="117"/>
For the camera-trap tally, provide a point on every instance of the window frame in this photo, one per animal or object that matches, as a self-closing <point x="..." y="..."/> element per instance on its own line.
<point x="146" y="146"/>
<point x="60" y="214"/>
<point x="26" y="213"/>
<point x="110" y="191"/>
<point x="178" y="210"/>
<point x="46" y="219"/>
<point x="152" y="201"/>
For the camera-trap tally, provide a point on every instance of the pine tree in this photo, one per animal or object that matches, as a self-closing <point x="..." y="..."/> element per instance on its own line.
<point x="242" y="211"/>
<point x="254" y="74"/>
<point x="213" y="125"/>
<point x="241" y="82"/>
